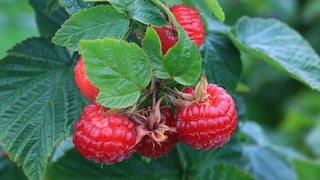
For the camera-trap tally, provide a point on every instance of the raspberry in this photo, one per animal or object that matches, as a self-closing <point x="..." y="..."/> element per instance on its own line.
<point x="103" y="136"/>
<point x="209" y="123"/>
<point x="87" y="89"/>
<point x="168" y="38"/>
<point x="150" y="148"/>
<point x="189" y="18"/>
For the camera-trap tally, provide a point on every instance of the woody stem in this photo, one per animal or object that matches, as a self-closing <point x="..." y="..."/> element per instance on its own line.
<point x="154" y="101"/>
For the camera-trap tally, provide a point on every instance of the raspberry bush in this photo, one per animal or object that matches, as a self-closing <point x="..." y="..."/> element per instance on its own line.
<point x="143" y="89"/>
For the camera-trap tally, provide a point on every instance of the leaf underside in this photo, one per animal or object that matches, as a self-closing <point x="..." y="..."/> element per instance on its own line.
<point x="280" y="46"/>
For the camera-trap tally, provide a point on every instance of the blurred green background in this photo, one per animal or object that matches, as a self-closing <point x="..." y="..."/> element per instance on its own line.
<point x="288" y="110"/>
<point x="17" y="22"/>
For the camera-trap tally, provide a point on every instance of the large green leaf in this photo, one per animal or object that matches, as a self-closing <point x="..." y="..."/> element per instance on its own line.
<point x="48" y="22"/>
<point x="39" y="103"/>
<point x="73" y="166"/>
<point x="221" y="61"/>
<point x="118" y="68"/>
<point x="280" y="46"/>
<point x="94" y="23"/>
<point x="141" y="10"/>
<point x="225" y="172"/>
<point x="73" y="6"/>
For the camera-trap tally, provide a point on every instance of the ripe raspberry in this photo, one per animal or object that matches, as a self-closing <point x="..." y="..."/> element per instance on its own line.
<point x="209" y="123"/>
<point x="189" y="18"/>
<point x="102" y="136"/>
<point x="168" y="38"/>
<point x="150" y="148"/>
<point x="87" y="89"/>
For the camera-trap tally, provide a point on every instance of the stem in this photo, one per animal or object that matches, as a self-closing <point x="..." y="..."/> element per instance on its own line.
<point x="175" y="92"/>
<point x="154" y="101"/>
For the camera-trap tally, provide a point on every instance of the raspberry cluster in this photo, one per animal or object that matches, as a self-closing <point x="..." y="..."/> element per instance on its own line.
<point x="203" y="116"/>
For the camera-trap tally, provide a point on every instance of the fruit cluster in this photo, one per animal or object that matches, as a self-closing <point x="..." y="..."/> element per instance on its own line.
<point x="203" y="116"/>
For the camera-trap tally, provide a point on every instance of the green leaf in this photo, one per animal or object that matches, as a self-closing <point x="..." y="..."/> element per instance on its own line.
<point x="183" y="61"/>
<point x="280" y="46"/>
<point x="152" y="47"/>
<point x="48" y="23"/>
<point x="268" y="164"/>
<point x="221" y="61"/>
<point x="225" y="172"/>
<point x="141" y="10"/>
<point x="307" y="169"/>
<point x="73" y="6"/>
<point x="312" y="140"/>
<point x="254" y="132"/>
<point x="118" y="68"/>
<point x="94" y="23"/>
<point x="215" y="9"/>
<point x="9" y="169"/>
<point x="74" y="166"/>
<point x="197" y="161"/>
<point x="52" y="5"/>
<point x="39" y="103"/>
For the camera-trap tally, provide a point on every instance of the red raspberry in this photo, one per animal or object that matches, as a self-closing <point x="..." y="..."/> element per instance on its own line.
<point x="150" y="148"/>
<point x="168" y="38"/>
<point x="102" y="136"/>
<point x="87" y="89"/>
<point x="208" y="124"/>
<point x="189" y="18"/>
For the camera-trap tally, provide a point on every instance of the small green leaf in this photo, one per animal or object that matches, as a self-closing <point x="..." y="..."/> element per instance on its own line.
<point x="52" y="5"/>
<point x="140" y="10"/>
<point x="48" y="22"/>
<point x="215" y="9"/>
<point x="118" y="68"/>
<point x="225" y="172"/>
<point x="94" y="23"/>
<point x="152" y="47"/>
<point x="183" y="61"/>
<point x="39" y="103"/>
<point x="221" y="61"/>
<point x="73" y="6"/>
<point x="278" y="45"/>
<point x="307" y="169"/>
